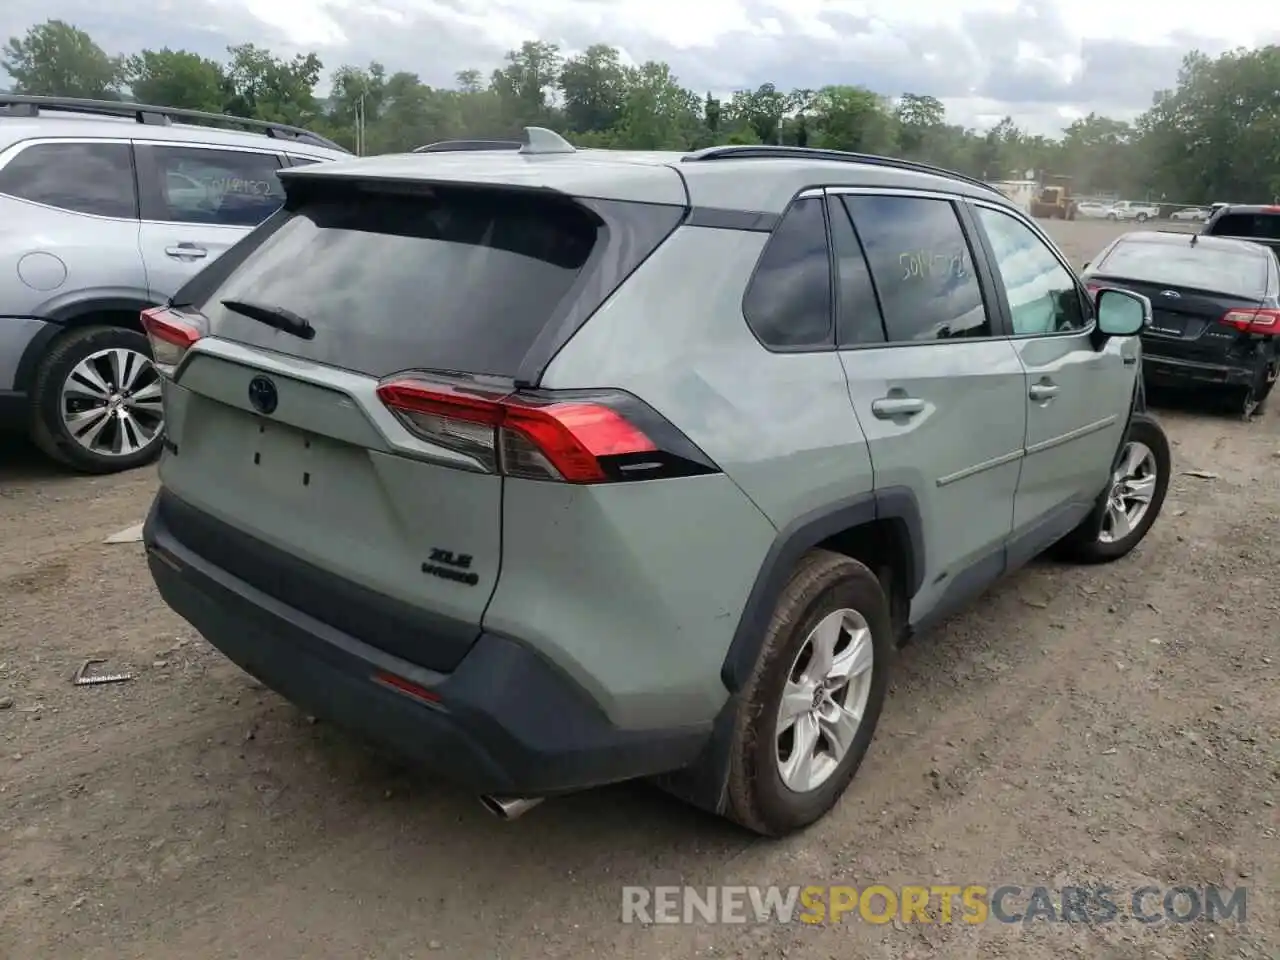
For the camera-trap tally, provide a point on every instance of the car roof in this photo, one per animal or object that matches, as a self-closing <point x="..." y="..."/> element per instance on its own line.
<point x="755" y="179"/>
<point x="1203" y="241"/>
<point x="24" y="117"/>
<point x="1249" y="208"/>
<point x="15" y="129"/>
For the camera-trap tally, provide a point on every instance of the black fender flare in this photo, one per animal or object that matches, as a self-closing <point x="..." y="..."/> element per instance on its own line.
<point x="65" y="318"/>
<point x="897" y="504"/>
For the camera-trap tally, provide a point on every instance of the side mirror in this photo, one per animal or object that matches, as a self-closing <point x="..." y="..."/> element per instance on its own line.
<point x="1122" y="313"/>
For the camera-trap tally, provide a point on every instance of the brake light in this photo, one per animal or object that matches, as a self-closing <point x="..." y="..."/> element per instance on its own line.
<point x="593" y="439"/>
<point x="1262" y="321"/>
<point x="170" y="338"/>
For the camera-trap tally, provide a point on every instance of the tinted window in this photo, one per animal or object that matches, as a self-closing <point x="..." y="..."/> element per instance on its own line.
<point x="922" y="267"/>
<point x="1239" y="272"/>
<point x="857" y="310"/>
<point x="301" y="161"/>
<point x="1042" y="294"/>
<point x="789" y="301"/>
<point x="1257" y="225"/>
<point x="92" y="178"/>
<point x="460" y="280"/>
<point x="221" y="187"/>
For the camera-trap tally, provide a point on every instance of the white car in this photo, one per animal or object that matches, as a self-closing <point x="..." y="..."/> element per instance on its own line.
<point x="1129" y="210"/>
<point x="1196" y="214"/>
<point x="1092" y="210"/>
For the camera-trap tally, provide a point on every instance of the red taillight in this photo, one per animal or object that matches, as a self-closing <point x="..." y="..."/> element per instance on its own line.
<point x="170" y="337"/>
<point x="531" y="438"/>
<point x="1264" y="321"/>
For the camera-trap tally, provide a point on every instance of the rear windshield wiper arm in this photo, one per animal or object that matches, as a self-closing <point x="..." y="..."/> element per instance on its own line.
<point x="277" y="317"/>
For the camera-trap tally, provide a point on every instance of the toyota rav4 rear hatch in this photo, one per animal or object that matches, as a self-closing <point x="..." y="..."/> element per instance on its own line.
<point x="298" y="459"/>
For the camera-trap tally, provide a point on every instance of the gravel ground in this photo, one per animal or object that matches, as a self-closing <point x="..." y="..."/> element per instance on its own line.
<point x="1116" y="726"/>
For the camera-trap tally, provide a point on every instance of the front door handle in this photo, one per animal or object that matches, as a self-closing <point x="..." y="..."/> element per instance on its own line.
<point x="1043" y="391"/>
<point x="886" y="408"/>
<point x="186" y="251"/>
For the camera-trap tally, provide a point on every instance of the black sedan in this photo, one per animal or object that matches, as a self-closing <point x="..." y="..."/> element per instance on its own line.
<point x="1216" y="310"/>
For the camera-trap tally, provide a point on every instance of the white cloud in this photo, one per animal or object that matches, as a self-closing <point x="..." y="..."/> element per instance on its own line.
<point x="1043" y="62"/>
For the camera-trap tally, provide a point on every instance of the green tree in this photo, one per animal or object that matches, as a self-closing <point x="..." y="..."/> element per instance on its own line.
<point x="55" y="59"/>
<point x="176" y="78"/>
<point x="594" y="87"/>
<point x="852" y="118"/>
<point x="266" y="88"/>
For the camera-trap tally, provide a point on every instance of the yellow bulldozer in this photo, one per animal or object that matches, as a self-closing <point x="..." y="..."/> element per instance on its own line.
<point x="1054" y="199"/>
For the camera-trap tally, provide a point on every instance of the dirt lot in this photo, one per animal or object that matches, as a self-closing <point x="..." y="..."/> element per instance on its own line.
<point x="1116" y="726"/>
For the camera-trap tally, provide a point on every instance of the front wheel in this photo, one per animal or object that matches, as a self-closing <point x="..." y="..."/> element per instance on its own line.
<point x="1142" y="218"/>
<point x="97" y="401"/>
<point x="1132" y="500"/>
<point x="811" y="705"/>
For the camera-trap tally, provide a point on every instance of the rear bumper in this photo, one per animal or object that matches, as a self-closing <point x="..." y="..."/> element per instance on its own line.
<point x="507" y="722"/>
<point x="1171" y="371"/>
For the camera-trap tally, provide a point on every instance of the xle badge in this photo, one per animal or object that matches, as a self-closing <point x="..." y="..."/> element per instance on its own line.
<point x="448" y="565"/>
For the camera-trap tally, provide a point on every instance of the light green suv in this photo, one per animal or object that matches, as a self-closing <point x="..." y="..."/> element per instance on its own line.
<point x="554" y="468"/>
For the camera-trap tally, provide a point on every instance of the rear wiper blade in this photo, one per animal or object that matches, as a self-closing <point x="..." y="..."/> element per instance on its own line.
<point x="277" y="317"/>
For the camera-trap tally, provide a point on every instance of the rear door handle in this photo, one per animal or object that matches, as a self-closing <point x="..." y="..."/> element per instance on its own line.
<point x="887" y="408"/>
<point x="1043" y="391"/>
<point x="191" y="251"/>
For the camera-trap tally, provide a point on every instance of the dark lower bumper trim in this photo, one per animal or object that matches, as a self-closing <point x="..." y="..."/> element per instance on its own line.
<point x="507" y="722"/>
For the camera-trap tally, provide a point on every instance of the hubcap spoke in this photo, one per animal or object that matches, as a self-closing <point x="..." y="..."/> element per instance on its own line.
<point x="1142" y="489"/>
<point x="797" y="770"/>
<point x="839" y="726"/>
<point x="797" y="700"/>
<point x="1118" y="522"/>
<point x="853" y="661"/>
<point x="824" y="639"/>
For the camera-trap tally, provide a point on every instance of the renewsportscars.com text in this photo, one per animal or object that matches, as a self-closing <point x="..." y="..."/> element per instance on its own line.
<point x="934" y="904"/>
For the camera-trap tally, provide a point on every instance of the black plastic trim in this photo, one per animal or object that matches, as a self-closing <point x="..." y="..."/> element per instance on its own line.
<point x="803" y="534"/>
<point x="15" y="409"/>
<point x="507" y="720"/>
<point x="721" y="218"/>
<point x="417" y="636"/>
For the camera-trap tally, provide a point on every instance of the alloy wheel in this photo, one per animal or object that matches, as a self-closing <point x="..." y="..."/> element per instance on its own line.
<point x="111" y="402"/>
<point x="824" y="700"/>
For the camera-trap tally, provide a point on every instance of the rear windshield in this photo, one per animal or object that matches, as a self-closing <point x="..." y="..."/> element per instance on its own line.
<point x="1240" y="273"/>
<point x="461" y="280"/>
<point x="1257" y="226"/>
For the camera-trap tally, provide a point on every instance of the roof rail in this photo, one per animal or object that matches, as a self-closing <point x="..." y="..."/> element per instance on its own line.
<point x="537" y="140"/>
<point x="451" y="146"/>
<point x="151" y="114"/>
<point x="771" y="152"/>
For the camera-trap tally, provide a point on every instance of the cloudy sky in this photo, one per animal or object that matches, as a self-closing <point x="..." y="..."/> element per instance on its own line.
<point x="1042" y="61"/>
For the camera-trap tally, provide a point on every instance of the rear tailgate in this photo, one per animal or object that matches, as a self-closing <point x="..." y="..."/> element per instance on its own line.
<point x="287" y="471"/>
<point x="1191" y="291"/>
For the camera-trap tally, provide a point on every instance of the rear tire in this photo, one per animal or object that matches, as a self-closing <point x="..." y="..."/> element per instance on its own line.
<point x="1255" y="395"/>
<point x="1100" y="538"/>
<point x="1142" y="218"/>
<point x="817" y="749"/>
<point x="78" y="362"/>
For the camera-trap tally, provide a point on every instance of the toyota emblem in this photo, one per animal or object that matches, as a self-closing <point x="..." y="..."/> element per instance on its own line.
<point x="263" y="395"/>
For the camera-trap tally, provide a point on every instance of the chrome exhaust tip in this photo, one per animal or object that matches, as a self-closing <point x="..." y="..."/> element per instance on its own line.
<point x="508" y="808"/>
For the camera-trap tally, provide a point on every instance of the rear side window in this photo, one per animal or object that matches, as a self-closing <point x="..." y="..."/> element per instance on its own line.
<point x="458" y="280"/>
<point x="922" y="267"/>
<point x="1241" y="273"/>
<point x="228" y="188"/>
<point x="94" y="178"/>
<point x="1260" y="226"/>
<point x="788" y="303"/>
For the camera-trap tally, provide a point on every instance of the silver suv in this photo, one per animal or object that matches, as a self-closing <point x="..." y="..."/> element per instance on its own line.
<point x="106" y="209"/>
<point x="553" y="468"/>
